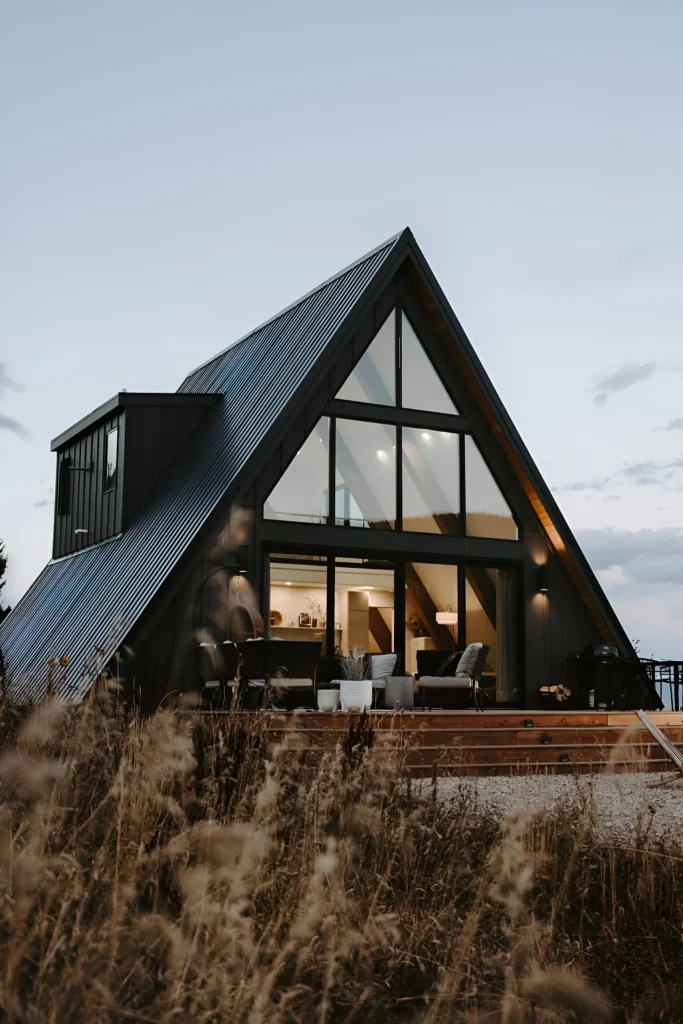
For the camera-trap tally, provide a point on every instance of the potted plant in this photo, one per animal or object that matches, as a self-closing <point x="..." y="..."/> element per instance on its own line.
<point x="316" y="611"/>
<point x="355" y="686"/>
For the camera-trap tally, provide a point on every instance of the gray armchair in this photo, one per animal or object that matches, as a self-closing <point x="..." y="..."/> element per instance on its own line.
<point x="464" y="673"/>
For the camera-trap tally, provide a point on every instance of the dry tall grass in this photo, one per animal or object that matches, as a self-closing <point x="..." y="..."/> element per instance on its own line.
<point x="174" y="870"/>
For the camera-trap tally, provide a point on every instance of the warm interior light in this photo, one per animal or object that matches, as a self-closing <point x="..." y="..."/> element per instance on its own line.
<point x="288" y="583"/>
<point x="449" y="618"/>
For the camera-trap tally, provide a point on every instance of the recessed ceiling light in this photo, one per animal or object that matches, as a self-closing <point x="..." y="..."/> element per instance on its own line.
<point x="382" y="455"/>
<point x="426" y="436"/>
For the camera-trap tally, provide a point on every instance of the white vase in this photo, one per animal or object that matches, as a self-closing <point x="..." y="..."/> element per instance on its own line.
<point x="355" y="694"/>
<point x="328" y="700"/>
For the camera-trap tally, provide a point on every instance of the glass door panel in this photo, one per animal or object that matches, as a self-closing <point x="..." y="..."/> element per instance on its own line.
<point x="364" y="606"/>
<point x="431" y="610"/>
<point x="298" y="598"/>
<point x="491" y="618"/>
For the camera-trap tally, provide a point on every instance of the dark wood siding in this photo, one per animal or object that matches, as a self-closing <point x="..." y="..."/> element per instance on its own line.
<point x="87" y="506"/>
<point x="155" y="435"/>
<point x="151" y="434"/>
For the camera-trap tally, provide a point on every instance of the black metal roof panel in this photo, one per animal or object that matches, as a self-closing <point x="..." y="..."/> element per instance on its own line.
<point x="83" y="606"/>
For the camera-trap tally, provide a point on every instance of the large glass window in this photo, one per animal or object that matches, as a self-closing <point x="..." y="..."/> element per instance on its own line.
<point x="431" y="481"/>
<point x="302" y="493"/>
<point x="364" y="607"/>
<point x="431" y="610"/>
<point x="488" y="513"/>
<point x="374" y="377"/>
<point x="422" y="387"/>
<point x="365" y="477"/>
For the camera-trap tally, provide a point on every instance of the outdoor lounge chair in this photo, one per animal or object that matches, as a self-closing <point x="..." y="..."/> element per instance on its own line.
<point x="464" y="673"/>
<point x="217" y="666"/>
<point x="280" y="665"/>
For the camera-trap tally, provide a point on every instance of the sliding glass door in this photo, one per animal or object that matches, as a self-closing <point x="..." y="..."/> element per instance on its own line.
<point x="406" y="606"/>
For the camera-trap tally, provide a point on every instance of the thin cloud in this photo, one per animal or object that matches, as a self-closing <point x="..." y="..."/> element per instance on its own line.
<point x="644" y="556"/>
<point x="14" y="427"/>
<point x="645" y="474"/>
<point x="42" y="504"/>
<point x="6" y="382"/>
<point x="587" y="485"/>
<point x="628" y="375"/>
<point x="676" y="424"/>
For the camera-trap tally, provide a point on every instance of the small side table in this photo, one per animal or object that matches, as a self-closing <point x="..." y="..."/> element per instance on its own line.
<point x="399" y="690"/>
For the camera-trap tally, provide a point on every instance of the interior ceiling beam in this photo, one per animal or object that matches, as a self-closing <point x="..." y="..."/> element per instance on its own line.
<point x="346" y="409"/>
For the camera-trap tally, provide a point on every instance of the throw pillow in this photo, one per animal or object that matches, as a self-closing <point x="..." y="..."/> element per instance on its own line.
<point x="448" y="668"/>
<point x="382" y="665"/>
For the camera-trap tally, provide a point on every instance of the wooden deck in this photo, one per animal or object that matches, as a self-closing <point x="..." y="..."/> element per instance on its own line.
<point x="492" y="743"/>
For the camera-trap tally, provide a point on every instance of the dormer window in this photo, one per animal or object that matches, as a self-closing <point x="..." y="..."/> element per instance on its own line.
<point x="111" y="459"/>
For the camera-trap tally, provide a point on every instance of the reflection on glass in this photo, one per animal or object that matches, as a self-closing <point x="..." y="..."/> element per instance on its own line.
<point x="365" y="478"/>
<point x="431" y="482"/>
<point x="112" y="458"/>
<point x="422" y="387"/>
<point x="430" y="589"/>
<point x="364" y="607"/>
<point x="301" y="494"/>
<point x="373" y="379"/>
<point x="488" y="513"/>
<point x="491" y="619"/>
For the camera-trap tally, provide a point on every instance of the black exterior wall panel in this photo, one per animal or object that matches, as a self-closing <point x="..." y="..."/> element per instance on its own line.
<point x="91" y="600"/>
<point x="90" y="508"/>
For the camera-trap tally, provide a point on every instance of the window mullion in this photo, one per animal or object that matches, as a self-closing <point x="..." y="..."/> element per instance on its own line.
<point x="463" y="485"/>
<point x="331" y="510"/>
<point x="399" y="477"/>
<point x="398" y="341"/>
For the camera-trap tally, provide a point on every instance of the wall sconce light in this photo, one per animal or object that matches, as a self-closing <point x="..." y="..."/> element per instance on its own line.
<point x="543" y="578"/>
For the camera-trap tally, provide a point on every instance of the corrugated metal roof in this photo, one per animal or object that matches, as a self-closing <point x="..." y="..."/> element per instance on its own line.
<point x="89" y="601"/>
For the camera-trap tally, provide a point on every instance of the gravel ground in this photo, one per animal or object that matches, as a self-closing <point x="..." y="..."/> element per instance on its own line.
<point x="623" y="803"/>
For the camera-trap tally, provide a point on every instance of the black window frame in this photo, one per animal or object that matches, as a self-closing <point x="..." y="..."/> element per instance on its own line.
<point x="399" y="417"/>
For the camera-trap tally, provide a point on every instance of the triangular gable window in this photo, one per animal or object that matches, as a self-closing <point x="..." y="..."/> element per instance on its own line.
<point x="374" y="376"/>
<point x="488" y="513"/>
<point x="302" y="493"/>
<point x="422" y="387"/>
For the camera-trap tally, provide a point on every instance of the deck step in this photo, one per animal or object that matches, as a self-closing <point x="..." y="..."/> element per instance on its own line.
<point x="466" y="743"/>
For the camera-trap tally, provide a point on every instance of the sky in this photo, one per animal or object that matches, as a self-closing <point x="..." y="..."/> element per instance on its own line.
<point x="172" y="174"/>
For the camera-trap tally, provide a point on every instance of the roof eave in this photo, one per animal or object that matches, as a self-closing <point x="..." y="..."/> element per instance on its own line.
<point x="131" y="398"/>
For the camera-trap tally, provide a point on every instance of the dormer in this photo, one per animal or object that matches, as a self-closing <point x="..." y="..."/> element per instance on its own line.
<point x="109" y="461"/>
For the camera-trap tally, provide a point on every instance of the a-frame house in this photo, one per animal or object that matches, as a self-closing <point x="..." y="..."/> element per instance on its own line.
<point x="346" y="468"/>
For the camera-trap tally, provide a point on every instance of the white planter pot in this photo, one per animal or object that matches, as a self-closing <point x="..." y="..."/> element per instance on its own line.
<point x="355" y="694"/>
<point x="328" y="700"/>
